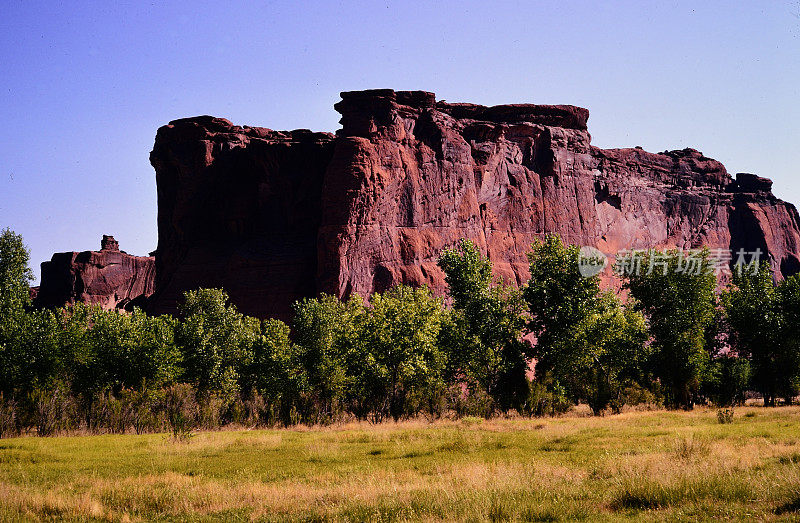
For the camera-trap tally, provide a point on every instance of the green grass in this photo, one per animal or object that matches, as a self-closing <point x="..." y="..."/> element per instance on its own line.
<point x="637" y="465"/>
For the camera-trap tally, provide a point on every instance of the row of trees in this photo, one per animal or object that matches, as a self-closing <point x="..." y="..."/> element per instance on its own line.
<point x="402" y="352"/>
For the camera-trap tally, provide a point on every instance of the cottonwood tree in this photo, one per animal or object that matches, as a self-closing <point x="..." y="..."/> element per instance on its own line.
<point x="276" y="370"/>
<point x="15" y="275"/>
<point x="586" y="340"/>
<point x="216" y="342"/>
<point x="399" y="357"/>
<point x="326" y="332"/>
<point x="15" y="278"/>
<point x="789" y="299"/>
<point x="675" y="291"/>
<point x="483" y="334"/>
<point x="606" y="355"/>
<point x="763" y="322"/>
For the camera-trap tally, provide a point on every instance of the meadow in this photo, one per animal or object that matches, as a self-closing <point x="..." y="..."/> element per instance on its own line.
<point x="663" y="465"/>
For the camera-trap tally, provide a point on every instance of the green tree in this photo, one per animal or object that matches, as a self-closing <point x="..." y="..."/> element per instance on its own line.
<point x="36" y="356"/>
<point x="561" y="302"/>
<point x="763" y="317"/>
<point x="789" y="356"/>
<point x="586" y="340"/>
<point x="276" y="372"/>
<point x="727" y="379"/>
<point x="216" y="341"/>
<point x="129" y="350"/>
<point x="483" y="334"/>
<point x="399" y="359"/>
<point x="325" y="331"/>
<point x="753" y="313"/>
<point x="675" y="291"/>
<point x="606" y="356"/>
<point x="15" y="277"/>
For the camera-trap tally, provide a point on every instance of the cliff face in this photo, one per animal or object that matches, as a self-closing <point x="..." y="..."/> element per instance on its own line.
<point x="238" y="208"/>
<point x="410" y="176"/>
<point x="276" y="216"/>
<point x="109" y="278"/>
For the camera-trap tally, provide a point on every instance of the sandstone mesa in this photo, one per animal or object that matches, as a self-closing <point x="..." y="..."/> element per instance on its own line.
<point x="274" y="216"/>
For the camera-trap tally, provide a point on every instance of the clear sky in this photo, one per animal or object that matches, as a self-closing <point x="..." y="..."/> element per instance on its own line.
<point x="83" y="87"/>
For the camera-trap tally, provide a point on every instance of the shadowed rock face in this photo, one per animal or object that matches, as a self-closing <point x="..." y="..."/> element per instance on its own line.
<point x="275" y="216"/>
<point x="109" y="278"/>
<point x="238" y="208"/>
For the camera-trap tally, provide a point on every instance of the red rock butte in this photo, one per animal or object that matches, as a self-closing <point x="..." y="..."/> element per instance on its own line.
<point x="274" y="216"/>
<point x="109" y="278"/>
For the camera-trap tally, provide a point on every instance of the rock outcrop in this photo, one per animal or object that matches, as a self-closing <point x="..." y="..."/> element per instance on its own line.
<point x="275" y="216"/>
<point x="238" y="208"/>
<point x="109" y="278"/>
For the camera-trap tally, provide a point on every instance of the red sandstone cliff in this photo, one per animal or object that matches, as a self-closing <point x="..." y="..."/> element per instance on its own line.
<point x="109" y="278"/>
<point x="274" y="216"/>
<point x="238" y="208"/>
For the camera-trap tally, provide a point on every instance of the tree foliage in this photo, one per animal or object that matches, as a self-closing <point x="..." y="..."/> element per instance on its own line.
<point x="216" y="341"/>
<point x="675" y="291"/>
<point x="483" y="335"/>
<point x="763" y="319"/>
<point x="586" y="340"/>
<point x="403" y="352"/>
<point x="399" y="357"/>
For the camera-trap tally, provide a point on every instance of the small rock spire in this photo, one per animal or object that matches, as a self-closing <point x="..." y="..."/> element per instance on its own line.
<point x="108" y="243"/>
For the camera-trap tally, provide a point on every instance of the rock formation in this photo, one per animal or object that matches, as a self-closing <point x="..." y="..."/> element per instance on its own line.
<point x="238" y="208"/>
<point x="109" y="278"/>
<point x="274" y="216"/>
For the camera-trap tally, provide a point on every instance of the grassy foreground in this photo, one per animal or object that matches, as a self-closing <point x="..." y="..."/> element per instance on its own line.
<point x="637" y="465"/>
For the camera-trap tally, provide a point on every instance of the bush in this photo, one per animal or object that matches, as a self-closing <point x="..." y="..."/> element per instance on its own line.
<point x="547" y="398"/>
<point x="251" y="411"/>
<point x="109" y="413"/>
<point x="9" y="423"/>
<point x="725" y="416"/>
<point x="180" y="407"/>
<point x="634" y="394"/>
<point x="211" y="410"/>
<point x="54" y="410"/>
<point x="144" y="407"/>
<point x="470" y="401"/>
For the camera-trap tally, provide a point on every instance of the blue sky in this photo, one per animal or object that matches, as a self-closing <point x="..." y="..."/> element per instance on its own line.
<point x="85" y="86"/>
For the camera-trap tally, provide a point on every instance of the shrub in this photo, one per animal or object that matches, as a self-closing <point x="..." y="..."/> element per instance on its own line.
<point x="725" y="415"/>
<point x="143" y="405"/>
<point x="471" y="420"/>
<point x="547" y="398"/>
<point x="690" y="447"/>
<point x="470" y="401"/>
<point x="180" y="407"/>
<point x="54" y="410"/>
<point x="9" y="423"/>
<point x="211" y="410"/>
<point x="108" y="412"/>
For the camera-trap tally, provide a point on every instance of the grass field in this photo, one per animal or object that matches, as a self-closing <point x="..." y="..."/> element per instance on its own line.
<point x="637" y="465"/>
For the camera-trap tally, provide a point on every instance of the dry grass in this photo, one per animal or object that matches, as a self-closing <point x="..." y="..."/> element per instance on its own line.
<point x="637" y="465"/>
